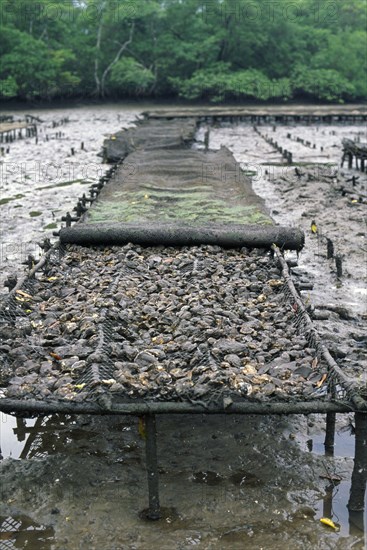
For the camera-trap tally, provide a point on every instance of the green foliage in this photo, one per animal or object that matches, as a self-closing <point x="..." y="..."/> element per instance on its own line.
<point x="219" y="84"/>
<point x="128" y="77"/>
<point x="322" y="84"/>
<point x="216" y="50"/>
<point x="32" y="70"/>
<point x="8" y="88"/>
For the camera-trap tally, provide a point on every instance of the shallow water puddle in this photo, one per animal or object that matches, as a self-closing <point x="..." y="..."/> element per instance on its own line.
<point x="344" y="442"/>
<point x="334" y="503"/>
<point x="11" y="440"/>
<point x="334" y="506"/>
<point x="22" y="532"/>
<point x="22" y="438"/>
<point x="59" y="434"/>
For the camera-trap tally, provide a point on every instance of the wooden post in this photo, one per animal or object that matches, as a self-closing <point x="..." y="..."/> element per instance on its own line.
<point x="330" y="423"/>
<point x="330" y="248"/>
<point x="359" y="476"/>
<point x="206" y="139"/>
<point x="339" y="266"/>
<point x="330" y="434"/>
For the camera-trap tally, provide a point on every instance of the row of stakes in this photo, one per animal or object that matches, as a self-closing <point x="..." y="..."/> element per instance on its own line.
<point x="303" y="142"/>
<point x="56" y="124"/>
<point x="346" y="154"/>
<point x="12" y="135"/>
<point x="330" y="253"/>
<point x="84" y="200"/>
<point x="30" y="131"/>
<point x="59" y="135"/>
<point x="287" y="155"/>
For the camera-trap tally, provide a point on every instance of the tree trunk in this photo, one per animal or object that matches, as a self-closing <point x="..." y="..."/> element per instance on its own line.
<point x="106" y="72"/>
<point x="96" y="60"/>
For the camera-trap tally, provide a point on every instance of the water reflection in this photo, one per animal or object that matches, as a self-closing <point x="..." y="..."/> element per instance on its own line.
<point x="345" y="501"/>
<point x="44" y="438"/>
<point x="61" y="433"/>
<point x="22" y="532"/>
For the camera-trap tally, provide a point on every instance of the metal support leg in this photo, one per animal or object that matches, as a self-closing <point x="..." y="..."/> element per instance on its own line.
<point x="152" y="467"/>
<point x="359" y="476"/>
<point x="327" y="509"/>
<point x="330" y="434"/>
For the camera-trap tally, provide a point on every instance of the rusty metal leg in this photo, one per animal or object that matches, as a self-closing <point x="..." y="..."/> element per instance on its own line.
<point x="359" y="476"/>
<point x="152" y="467"/>
<point x="330" y="434"/>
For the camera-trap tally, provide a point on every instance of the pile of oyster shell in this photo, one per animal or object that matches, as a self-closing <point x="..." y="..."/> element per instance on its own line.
<point x="189" y="323"/>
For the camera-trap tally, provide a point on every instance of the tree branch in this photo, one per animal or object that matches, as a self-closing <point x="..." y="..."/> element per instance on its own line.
<point x="117" y="57"/>
<point x="98" y="48"/>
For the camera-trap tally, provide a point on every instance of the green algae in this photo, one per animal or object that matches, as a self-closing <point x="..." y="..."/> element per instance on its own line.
<point x="194" y="205"/>
<point x="64" y="184"/>
<point x="50" y="226"/>
<point x="6" y="200"/>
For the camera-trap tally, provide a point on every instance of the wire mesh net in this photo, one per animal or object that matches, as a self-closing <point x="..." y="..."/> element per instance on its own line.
<point x="97" y="377"/>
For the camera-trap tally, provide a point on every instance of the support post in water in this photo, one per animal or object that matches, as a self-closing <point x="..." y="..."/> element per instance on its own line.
<point x="359" y="476"/>
<point x="330" y="421"/>
<point x="153" y="511"/>
<point x="206" y="139"/>
<point x="330" y="434"/>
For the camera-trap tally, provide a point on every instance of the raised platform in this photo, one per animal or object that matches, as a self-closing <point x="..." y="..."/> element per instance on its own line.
<point x="214" y="328"/>
<point x="10" y="131"/>
<point x="266" y="113"/>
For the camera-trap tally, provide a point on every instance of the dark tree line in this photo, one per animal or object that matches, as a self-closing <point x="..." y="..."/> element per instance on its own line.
<point x="217" y="50"/>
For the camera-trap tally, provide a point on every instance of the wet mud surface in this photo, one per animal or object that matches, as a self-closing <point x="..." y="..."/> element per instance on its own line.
<point x="225" y="481"/>
<point x="41" y="180"/>
<point x="235" y="482"/>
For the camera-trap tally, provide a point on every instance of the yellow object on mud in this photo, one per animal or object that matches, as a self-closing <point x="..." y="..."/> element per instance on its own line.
<point x="313" y="227"/>
<point x="329" y="523"/>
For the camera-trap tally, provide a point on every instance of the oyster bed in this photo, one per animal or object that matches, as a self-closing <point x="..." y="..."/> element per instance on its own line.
<point x="190" y="323"/>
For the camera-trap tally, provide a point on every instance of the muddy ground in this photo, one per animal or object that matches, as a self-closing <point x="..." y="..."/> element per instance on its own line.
<point x="226" y="481"/>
